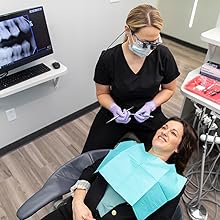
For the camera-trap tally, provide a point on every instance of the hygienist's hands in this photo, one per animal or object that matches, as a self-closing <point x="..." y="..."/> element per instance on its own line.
<point x="123" y="116"/>
<point x="81" y="211"/>
<point x="144" y="113"/>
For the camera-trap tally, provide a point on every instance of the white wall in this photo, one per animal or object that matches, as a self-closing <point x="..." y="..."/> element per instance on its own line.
<point x="218" y="21"/>
<point x="177" y="14"/>
<point x="79" y="30"/>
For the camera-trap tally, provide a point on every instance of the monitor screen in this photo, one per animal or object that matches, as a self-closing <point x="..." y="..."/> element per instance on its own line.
<point x="24" y="37"/>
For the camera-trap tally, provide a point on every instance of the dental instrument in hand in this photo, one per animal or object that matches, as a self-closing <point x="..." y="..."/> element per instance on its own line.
<point x="112" y="119"/>
<point x="150" y="116"/>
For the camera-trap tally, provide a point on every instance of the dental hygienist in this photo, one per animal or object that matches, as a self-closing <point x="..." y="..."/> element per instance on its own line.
<point x="140" y="75"/>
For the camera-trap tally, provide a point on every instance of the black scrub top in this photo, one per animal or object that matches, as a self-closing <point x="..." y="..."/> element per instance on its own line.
<point x="130" y="89"/>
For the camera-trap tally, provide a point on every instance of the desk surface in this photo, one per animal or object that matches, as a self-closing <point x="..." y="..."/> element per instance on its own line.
<point x="212" y="36"/>
<point x="50" y="75"/>
<point x="196" y="98"/>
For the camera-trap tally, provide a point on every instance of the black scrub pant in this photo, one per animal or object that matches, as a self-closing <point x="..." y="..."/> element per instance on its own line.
<point x="64" y="212"/>
<point x="106" y="136"/>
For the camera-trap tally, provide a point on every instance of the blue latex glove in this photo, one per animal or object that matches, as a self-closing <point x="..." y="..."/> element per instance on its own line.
<point x="123" y="116"/>
<point x="144" y="113"/>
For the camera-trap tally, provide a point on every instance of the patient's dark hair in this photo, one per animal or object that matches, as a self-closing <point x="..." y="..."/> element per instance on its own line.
<point x="186" y="147"/>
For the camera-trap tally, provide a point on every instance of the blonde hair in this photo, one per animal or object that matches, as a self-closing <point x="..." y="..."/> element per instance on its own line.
<point x="144" y="16"/>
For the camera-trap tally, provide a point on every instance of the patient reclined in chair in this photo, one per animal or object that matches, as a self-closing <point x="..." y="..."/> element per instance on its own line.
<point x="60" y="182"/>
<point x="138" y="203"/>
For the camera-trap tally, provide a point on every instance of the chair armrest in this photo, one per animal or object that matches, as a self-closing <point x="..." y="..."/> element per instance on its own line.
<point x="59" y="183"/>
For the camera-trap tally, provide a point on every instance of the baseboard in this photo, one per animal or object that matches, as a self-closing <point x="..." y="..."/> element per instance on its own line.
<point x="15" y="145"/>
<point x="184" y="43"/>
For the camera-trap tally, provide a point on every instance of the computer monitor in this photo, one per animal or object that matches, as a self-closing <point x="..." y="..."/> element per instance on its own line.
<point x="24" y="37"/>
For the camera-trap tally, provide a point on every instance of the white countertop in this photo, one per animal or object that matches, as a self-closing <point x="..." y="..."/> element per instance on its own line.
<point x="212" y="36"/>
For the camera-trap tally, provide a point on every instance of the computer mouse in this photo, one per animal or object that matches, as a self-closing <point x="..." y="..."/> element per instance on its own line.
<point x="56" y="65"/>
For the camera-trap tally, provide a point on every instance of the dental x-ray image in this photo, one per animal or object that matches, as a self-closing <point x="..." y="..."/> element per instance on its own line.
<point x="16" y="39"/>
<point x="24" y="37"/>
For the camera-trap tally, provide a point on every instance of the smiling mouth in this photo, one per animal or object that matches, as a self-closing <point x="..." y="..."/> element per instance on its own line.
<point x="162" y="138"/>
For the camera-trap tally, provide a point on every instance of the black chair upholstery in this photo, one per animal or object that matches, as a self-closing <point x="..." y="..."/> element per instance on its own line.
<point x="61" y="180"/>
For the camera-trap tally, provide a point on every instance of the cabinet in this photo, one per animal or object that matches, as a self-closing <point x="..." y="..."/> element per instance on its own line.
<point x="212" y="37"/>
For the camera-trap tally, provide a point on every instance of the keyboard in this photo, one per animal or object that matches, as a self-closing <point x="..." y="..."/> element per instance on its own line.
<point x="23" y="75"/>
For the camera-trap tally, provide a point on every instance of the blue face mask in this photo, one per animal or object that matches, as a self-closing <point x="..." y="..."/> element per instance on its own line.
<point x="144" y="49"/>
<point x="140" y="51"/>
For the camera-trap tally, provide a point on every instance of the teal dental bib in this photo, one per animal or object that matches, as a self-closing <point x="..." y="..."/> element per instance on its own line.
<point x="141" y="179"/>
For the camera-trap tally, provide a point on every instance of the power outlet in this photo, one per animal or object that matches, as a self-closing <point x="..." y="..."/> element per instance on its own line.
<point x="11" y="114"/>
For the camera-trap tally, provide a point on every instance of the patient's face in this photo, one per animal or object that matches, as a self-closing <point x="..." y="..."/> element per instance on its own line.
<point x="168" y="137"/>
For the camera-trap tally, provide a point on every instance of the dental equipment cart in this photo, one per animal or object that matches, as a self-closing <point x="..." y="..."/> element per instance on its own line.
<point x="202" y="95"/>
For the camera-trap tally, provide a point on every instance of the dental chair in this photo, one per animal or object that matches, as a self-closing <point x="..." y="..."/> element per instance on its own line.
<point x="61" y="180"/>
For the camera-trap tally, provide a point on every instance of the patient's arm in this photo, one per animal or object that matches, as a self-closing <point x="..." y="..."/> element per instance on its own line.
<point x="80" y="210"/>
<point x="88" y="173"/>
